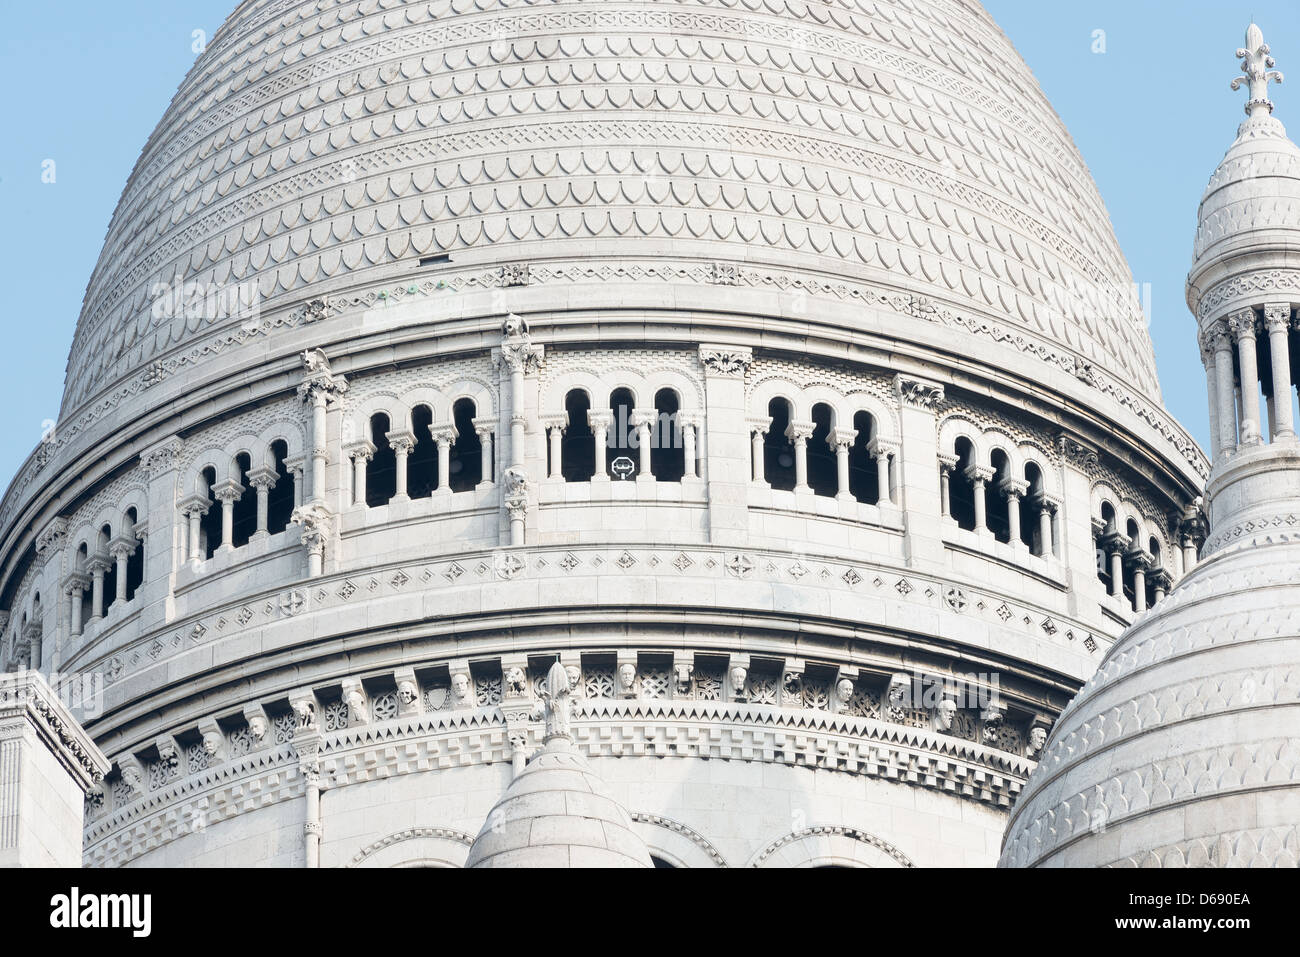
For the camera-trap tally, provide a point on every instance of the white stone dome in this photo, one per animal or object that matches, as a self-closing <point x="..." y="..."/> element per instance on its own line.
<point x="558" y="813"/>
<point x="1181" y="750"/>
<point x="1252" y="202"/>
<point x="323" y="149"/>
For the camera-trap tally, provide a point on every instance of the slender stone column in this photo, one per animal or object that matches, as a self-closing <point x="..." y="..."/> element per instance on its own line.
<point x="1140" y="563"/>
<point x="402" y="443"/>
<point x="361" y="452"/>
<point x="444" y="435"/>
<point x="600" y="423"/>
<point x="295" y="466"/>
<point x="485" y="432"/>
<point x="1013" y="489"/>
<point x="97" y="566"/>
<point x="841" y="440"/>
<point x="799" y="433"/>
<point x="555" y="426"/>
<point x="1114" y="546"/>
<point x="1046" y="545"/>
<point x="121" y="549"/>
<point x="1211" y="387"/>
<point x="319" y="388"/>
<point x="1242" y="325"/>
<point x="74" y="589"/>
<point x="262" y="480"/>
<point x="1224" y="389"/>
<point x="644" y="420"/>
<point x="757" y="434"/>
<point x="947" y="463"/>
<point x="980" y="475"/>
<point x="688" y="423"/>
<point x="1277" y="320"/>
<point x="228" y="493"/>
<point x="882" y="452"/>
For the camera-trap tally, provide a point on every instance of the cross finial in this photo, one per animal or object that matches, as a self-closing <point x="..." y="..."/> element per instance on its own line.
<point x="1257" y="67"/>
<point x="557" y="703"/>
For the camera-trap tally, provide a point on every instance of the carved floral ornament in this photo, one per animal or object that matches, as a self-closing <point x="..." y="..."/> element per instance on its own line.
<point x="728" y="361"/>
<point x="918" y="393"/>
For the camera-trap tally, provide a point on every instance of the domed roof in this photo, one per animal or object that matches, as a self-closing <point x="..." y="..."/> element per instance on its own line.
<point x="339" y="149"/>
<point x="1252" y="202"/>
<point x="1191" y="717"/>
<point x="557" y="812"/>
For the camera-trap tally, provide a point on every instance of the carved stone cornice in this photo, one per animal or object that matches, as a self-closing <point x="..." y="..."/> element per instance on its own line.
<point x="730" y="362"/>
<point x="917" y="392"/>
<point x="27" y="696"/>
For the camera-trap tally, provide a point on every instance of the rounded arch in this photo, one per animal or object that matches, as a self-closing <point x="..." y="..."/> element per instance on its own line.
<point x="762" y="394"/>
<point x="676" y="843"/>
<point x="416" y="847"/>
<point x="959" y="427"/>
<point x="434" y="399"/>
<point x="357" y="421"/>
<point x="687" y="389"/>
<point x="574" y="380"/>
<point x="830" y="845"/>
<point x="483" y="397"/>
<point x="215" y="457"/>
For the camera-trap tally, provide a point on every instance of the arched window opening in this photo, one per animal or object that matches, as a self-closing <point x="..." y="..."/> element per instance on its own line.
<point x="110" y="574"/>
<point x="134" y="561"/>
<point x="466" y="466"/>
<point x="245" y="510"/>
<point x="660" y="862"/>
<point x="1103" y="559"/>
<point x="778" y="449"/>
<point x="1033" y="505"/>
<point x="577" y="448"/>
<point x="961" y="489"/>
<point x="210" y="523"/>
<point x="667" y="450"/>
<point x="1133" y="541"/>
<point x="1153" y="576"/>
<point x="381" y="473"/>
<point x="87" y="593"/>
<point x="822" y="476"/>
<point x="863" y="481"/>
<point x="622" y="439"/>
<point x="422" y="463"/>
<point x="279" y="500"/>
<point x="996" y="503"/>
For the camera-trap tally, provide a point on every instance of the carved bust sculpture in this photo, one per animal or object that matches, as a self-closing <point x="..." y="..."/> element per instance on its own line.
<point x="460" y="689"/>
<point x="738" y="677"/>
<point x="844" y="690"/>
<point x="627" y="679"/>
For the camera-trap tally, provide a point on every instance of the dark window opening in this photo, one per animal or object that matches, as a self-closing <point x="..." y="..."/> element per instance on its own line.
<point x="279" y="502"/>
<point x="422" y="462"/>
<point x="862" y="468"/>
<point x="210" y="524"/>
<point x="996" y="504"/>
<point x="667" y="451"/>
<point x="381" y="473"/>
<point x="622" y="438"/>
<point x="823" y="477"/>
<point x="245" y="511"/>
<point x="961" y="490"/>
<point x="467" y="451"/>
<point x="577" y="447"/>
<point x="778" y="450"/>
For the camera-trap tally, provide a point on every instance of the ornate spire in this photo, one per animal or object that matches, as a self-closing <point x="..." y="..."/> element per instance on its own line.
<point x="557" y="704"/>
<point x="1257" y="67"/>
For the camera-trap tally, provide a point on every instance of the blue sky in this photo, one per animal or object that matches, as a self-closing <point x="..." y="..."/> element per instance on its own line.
<point x="1152" y="116"/>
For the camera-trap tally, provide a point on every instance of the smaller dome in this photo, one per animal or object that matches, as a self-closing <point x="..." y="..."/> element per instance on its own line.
<point x="1252" y="202"/>
<point x="1181" y="749"/>
<point x="557" y="812"/>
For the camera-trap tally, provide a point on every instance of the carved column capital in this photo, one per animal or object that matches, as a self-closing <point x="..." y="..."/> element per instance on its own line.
<point x="841" y="437"/>
<point x="1277" y="316"/>
<point x="1241" y="324"/>
<point x="227" y="491"/>
<point x="401" y="440"/>
<point x="759" y="423"/>
<point x="444" y="434"/>
<point x="800" y="431"/>
<point x="361" y="449"/>
<point x="917" y="392"/>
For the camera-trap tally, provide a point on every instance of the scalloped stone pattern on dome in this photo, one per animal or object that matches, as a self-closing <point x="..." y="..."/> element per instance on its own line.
<point x="1253" y="197"/>
<point x="318" y="147"/>
<point x="1181" y="750"/>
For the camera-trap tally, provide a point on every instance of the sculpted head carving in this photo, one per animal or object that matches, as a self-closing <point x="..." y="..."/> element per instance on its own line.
<point x="257" y="727"/>
<point x="1037" y="738"/>
<point x="575" y="677"/>
<point x="516" y="683"/>
<point x="844" y="690"/>
<point x="898" y="686"/>
<point x="460" y="686"/>
<point x="406" y="691"/>
<point x="945" y="714"/>
<point x="738" y="677"/>
<point x="514" y="326"/>
<point x="212" y="743"/>
<point x="627" y="676"/>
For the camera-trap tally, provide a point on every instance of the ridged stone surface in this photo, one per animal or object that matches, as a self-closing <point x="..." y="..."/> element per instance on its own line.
<point x="1182" y="749"/>
<point x="325" y="145"/>
<point x="558" y="813"/>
